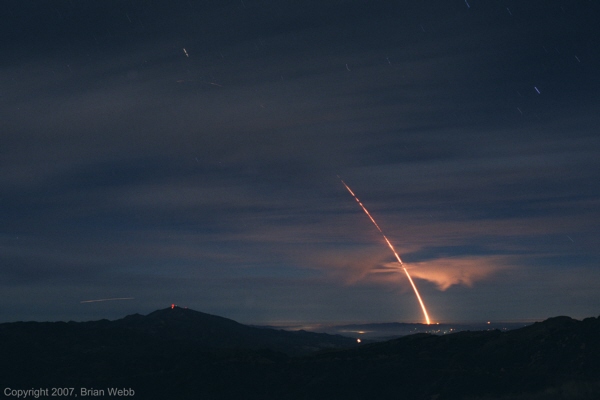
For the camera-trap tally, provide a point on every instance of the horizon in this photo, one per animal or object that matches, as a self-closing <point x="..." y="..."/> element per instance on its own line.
<point x="292" y="325"/>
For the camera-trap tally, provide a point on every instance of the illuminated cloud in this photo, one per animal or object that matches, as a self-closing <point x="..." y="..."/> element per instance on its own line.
<point x="446" y="272"/>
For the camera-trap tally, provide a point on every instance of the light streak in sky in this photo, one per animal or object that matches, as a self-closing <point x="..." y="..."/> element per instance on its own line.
<point x="393" y="251"/>
<point x="113" y="299"/>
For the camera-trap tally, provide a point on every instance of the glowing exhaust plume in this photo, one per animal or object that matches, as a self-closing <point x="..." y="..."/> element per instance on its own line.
<point x="393" y="251"/>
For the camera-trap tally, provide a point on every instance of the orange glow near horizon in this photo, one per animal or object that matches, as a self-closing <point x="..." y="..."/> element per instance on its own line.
<point x="412" y="283"/>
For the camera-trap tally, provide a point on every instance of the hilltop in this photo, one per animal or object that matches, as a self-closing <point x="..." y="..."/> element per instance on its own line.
<point x="173" y="327"/>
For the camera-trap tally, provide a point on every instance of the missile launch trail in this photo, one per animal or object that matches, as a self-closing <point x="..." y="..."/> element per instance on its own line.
<point x="412" y="283"/>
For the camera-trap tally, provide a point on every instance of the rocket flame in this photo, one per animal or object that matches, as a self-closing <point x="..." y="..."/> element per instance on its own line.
<point x="393" y="251"/>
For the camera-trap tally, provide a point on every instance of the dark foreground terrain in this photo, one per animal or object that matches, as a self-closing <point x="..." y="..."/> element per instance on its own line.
<point x="184" y="354"/>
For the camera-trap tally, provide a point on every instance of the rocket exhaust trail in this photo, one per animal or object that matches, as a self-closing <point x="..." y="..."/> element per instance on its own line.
<point x="393" y="251"/>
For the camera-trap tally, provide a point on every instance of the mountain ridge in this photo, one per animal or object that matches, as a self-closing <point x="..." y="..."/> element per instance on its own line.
<point x="182" y="325"/>
<point x="182" y="354"/>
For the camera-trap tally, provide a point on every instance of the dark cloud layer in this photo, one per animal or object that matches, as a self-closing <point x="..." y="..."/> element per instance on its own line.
<point x="188" y="152"/>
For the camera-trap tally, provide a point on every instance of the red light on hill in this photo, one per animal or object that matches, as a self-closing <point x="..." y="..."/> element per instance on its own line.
<point x="172" y="306"/>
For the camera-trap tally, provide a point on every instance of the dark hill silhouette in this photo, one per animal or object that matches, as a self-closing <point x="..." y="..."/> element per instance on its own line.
<point x="171" y="326"/>
<point x="213" y="332"/>
<point x="183" y="354"/>
<point x="544" y="355"/>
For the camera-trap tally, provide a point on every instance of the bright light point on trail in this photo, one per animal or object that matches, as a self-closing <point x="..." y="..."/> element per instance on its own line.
<point x="489" y="322"/>
<point x="172" y="306"/>
<point x="358" y="340"/>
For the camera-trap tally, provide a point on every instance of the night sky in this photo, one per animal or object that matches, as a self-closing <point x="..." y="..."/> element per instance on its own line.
<point x="188" y="152"/>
